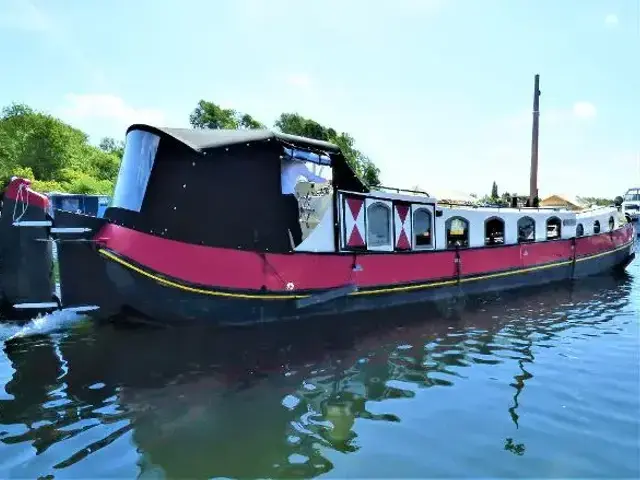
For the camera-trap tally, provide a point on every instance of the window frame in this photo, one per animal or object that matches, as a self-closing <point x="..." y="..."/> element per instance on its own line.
<point x="578" y="235"/>
<point x="429" y="209"/>
<point x="533" y="220"/>
<point x="135" y="170"/>
<point x="504" y="231"/>
<point x="597" y="222"/>
<point x="388" y="205"/>
<point x="559" y="223"/>
<point x="447" y="226"/>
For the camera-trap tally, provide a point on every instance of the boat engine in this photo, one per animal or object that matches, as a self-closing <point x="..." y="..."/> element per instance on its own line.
<point x="27" y="281"/>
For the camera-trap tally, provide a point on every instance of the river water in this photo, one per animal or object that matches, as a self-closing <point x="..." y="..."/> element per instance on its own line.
<point x="539" y="383"/>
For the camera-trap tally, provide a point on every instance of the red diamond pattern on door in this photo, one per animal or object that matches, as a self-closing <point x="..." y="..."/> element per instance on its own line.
<point x="402" y="221"/>
<point x="353" y="217"/>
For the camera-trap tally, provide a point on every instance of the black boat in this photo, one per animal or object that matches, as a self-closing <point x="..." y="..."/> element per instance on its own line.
<point x="198" y="230"/>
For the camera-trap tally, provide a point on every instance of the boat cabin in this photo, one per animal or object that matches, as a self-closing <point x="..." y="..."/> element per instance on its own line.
<point x="223" y="188"/>
<point x="217" y="187"/>
<point x="631" y="204"/>
<point x="381" y="221"/>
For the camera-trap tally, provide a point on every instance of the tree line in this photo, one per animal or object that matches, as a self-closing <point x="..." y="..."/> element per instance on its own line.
<point x="504" y="200"/>
<point x="58" y="157"/>
<point x="210" y="115"/>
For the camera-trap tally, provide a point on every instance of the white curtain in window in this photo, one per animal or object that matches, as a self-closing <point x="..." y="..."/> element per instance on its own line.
<point x="378" y="225"/>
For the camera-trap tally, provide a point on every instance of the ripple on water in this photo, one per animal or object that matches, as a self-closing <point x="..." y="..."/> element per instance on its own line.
<point x="545" y="383"/>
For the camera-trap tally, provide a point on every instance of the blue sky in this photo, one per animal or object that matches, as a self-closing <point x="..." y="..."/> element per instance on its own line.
<point x="437" y="92"/>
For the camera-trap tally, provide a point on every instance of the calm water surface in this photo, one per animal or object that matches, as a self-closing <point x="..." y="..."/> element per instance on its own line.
<point x="542" y="383"/>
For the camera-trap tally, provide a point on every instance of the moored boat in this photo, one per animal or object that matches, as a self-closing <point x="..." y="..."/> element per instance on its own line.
<point x="631" y="205"/>
<point x="198" y="231"/>
<point x="201" y="229"/>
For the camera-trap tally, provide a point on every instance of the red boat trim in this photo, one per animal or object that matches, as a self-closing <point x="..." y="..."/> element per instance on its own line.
<point x="19" y="190"/>
<point x="253" y="295"/>
<point x="285" y="274"/>
<point x="193" y="289"/>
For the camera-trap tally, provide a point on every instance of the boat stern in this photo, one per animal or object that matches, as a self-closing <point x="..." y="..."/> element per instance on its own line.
<point x="84" y="284"/>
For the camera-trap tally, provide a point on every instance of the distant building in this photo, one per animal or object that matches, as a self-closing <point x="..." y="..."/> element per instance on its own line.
<point x="563" y="201"/>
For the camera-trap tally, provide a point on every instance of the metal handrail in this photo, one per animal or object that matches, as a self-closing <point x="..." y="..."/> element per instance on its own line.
<point x="400" y="190"/>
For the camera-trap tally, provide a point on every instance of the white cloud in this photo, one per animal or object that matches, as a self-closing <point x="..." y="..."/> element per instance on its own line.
<point x="300" y="80"/>
<point x="584" y="110"/>
<point x="24" y="15"/>
<point x="499" y="149"/>
<point x="611" y="20"/>
<point x="105" y="107"/>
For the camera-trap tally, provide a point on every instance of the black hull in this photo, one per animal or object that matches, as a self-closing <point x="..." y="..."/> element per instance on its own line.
<point x="144" y="299"/>
<point x="126" y="292"/>
<point x="26" y="262"/>
<point x="83" y="282"/>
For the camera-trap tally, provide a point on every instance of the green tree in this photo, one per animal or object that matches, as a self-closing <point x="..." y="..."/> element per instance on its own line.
<point x="53" y="154"/>
<point x="111" y="145"/>
<point x="494" y="191"/>
<point x="295" y="124"/>
<point x="210" y="115"/>
<point x="597" y="201"/>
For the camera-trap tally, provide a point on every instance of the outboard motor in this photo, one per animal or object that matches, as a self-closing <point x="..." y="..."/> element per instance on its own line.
<point x="27" y="283"/>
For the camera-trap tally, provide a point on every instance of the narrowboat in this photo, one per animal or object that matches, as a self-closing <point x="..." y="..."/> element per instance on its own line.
<point x="211" y="226"/>
<point x="198" y="230"/>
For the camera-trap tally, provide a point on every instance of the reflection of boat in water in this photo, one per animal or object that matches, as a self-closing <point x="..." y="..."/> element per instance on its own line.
<point x="197" y="404"/>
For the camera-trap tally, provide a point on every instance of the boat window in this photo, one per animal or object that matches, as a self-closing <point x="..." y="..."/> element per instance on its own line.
<point x="554" y="228"/>
<point x="457" y="232"/>
<point x="526" y="230"/>
<point x="71" y="204"/>
<point x="135" y="169"/>
<point x="494" y="231"/>
<point x="612" y="223"/>
<point x="596" y="227"/>
<point x="422" y="228"/>
<point x="579" y="230"/>
<point x="378" y="225"/>
<point x="307" y="156"/>
<point x="632" y="196"/>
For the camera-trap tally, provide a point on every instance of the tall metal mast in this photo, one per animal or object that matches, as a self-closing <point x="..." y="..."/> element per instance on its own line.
<point x="533" y="179"/>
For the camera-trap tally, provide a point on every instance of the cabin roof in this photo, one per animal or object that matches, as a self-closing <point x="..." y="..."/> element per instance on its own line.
<point x="205" y="139"/>
<point x="201" y="140"/>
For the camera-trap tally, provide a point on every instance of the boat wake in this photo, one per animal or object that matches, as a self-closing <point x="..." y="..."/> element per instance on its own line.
<point x="49" y="323"/>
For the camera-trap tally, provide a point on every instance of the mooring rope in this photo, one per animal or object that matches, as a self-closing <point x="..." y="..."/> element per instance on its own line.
<point x="21" y="197"/>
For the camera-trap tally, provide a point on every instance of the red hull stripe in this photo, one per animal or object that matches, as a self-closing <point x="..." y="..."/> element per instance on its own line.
<point x="289" y="273"/>
<point x="19" y="190"/>
<point x="370" y="291"/>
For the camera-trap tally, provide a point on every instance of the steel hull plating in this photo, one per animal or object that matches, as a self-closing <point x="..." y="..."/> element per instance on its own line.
<point x="152" y="295"/>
